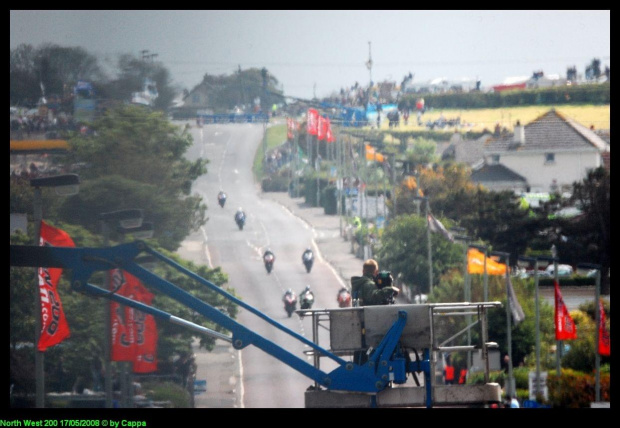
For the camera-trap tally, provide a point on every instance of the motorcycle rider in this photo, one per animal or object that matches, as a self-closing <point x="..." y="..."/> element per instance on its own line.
<point x="289" y="294"/>
<point x="268" y="256"/>
<point x="305" y="302"/>
<point x="308" y="258"/>
<point x="239" y="215"/>
<point x="343" y="297"/>
<point x="221" y="198"/>
<point x="365" y="290"/>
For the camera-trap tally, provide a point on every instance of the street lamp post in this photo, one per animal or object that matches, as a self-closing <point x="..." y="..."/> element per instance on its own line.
<point x="465" y="240"/>
<point x="537" y="262"/>
<point x="126" y="219"/>
<point x="428" y="243"/>
<point x="64" y="185"/>
<point x="511" y="387"/>
<point x="468" y="296"/>
<point x="597" y="315"/>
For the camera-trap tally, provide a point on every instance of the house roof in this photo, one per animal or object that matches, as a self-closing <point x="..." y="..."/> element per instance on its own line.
<point x="551" y="131"/>
<point x="495" y="173"/>
<point x="470" y="152"/>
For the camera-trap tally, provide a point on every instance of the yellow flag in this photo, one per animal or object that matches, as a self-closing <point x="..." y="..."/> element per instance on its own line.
<point x="475" y="264"/>
<point x="373" y="155"/>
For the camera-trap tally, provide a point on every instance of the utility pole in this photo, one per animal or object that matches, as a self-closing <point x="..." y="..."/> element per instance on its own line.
<point x="369" y="66"/>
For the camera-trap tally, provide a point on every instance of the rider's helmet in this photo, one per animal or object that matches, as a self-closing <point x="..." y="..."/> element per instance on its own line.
<point x="289" y="291"/>
<point x="307" y="289"/>
<point x="308" y="249"/>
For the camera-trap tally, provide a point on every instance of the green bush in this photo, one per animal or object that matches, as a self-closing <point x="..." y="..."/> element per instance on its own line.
<point x="576" y="389"/>
<point x="275" y="184"/>
<point x="167" y="391"/>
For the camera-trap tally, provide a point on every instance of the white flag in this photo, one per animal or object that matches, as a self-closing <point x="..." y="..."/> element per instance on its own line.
<point x="437" y="227"/>
<point x="515" y="307"/>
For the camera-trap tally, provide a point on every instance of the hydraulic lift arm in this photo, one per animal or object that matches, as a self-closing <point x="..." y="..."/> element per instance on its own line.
<point x="84" y="262"/>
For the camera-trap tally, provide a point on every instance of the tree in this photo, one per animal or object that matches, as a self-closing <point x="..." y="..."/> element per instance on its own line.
<point x="404" y="251"/>
<point x="131" y="78"/>
<point x="135" y="159"/>
<point x="587" y="237"/>
<point x="241" y="89"/>
<point x="55" y="67"/>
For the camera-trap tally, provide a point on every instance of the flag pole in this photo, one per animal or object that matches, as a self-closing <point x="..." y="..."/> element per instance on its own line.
<point x="511" y="393"/>
<point x="597" y="356"/>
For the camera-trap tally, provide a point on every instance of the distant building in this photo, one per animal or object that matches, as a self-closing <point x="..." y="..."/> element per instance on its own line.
<point x="551" y="152"/>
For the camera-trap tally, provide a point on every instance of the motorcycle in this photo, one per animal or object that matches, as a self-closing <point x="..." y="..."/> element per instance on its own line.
<point x="268" y="259"/>
<point x="308" y="260"/>
<point x="221" y="199"/>
<point x="307" y="299"/>
<point x="344" y="298"/>
<point x="240" y="219"/>
<point x="290" y="303"/>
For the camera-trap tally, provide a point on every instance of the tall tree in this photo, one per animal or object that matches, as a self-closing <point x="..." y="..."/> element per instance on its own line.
<point x="50" y="69"/>
<point x="136" y="156"/>
<point x="587" y="238"/>
<point x="133" y="71"/>
<point x="404" y="251"/>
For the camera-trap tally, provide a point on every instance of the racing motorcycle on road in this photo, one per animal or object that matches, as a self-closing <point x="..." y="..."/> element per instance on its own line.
<point x="308" y="259"/>
<point x="240" y="219"/>
<point x="290" y="302"/>
<point x="221" y="199"/>
<point x="344" y="298"/>
<point x="268" y="259"/>
<point x="307" y="298"/>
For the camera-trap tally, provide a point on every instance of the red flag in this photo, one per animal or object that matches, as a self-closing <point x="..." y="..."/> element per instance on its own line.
<point x="290" y="128"/>
<point x="145" y="351"/>
<point x="564" y="324"/>
<point x="322" y="128"/>
<point x="313" y="122"/>
<point x="604" y="344"/>
<point x="329" y="135"/>
<point x="121" y="317"/>
<point x="54" y="326"/>
<point x="134" y="333"/>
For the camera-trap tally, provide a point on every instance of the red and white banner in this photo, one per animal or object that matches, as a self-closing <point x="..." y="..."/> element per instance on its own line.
<point x="134" y="333"/>
<point x="121" y="317"/>
<point x="312" y="125"/>
<point x="604" y="344"/>
<point x="290" y="128"/>
<point x="564" y="325"/>
<point x="322" y="128"/>
<point x="145" y="350"/>
<point x="329" y="135"/>
<point x="54" y="326"/>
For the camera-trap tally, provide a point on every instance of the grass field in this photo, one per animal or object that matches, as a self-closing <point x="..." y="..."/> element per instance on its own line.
<point x="479" y="119"/>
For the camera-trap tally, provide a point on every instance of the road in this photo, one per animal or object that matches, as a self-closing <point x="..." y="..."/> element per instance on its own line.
<point x="251" y="378"/>
<point x="264" y="382"/>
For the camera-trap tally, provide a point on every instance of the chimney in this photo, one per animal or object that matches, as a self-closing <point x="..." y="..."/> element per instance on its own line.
<point x="519" y="133"/>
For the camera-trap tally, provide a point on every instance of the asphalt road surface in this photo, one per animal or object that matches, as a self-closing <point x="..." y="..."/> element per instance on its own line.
<point x="261" y="381"/>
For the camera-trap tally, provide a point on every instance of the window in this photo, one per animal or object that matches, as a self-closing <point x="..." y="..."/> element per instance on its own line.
<point x="494" y="159"/>
<point x="549" y="158"/>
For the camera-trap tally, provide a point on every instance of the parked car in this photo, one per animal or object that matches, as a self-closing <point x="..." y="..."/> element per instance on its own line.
<point x="563" y="270"/>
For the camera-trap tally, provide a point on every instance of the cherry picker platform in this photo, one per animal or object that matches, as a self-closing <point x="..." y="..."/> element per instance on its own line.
<point x="386" y="335"/>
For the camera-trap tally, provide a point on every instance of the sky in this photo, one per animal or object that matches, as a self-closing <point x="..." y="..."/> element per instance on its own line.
<point x="315" y="53"/>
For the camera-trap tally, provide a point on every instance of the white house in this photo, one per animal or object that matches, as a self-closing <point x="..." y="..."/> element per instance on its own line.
<point x="550" y="153"/>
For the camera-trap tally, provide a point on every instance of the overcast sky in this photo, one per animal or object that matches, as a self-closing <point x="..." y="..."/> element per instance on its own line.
<point x="317" y="52"/>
